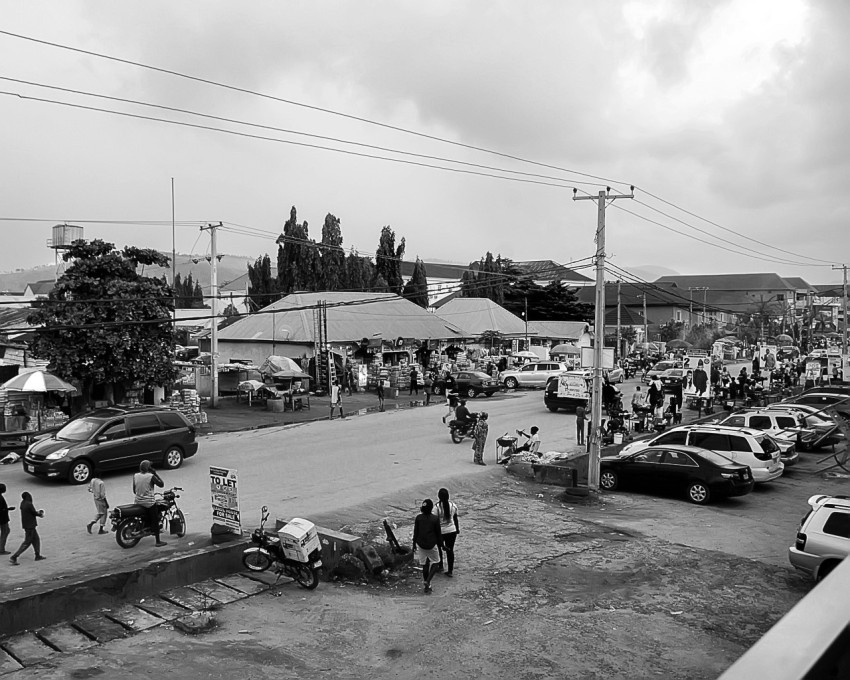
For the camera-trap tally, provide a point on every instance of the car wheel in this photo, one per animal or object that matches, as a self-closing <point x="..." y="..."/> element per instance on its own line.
<point x="622" y="379"/>
<point x="511" y="383"/>
<point x="470" y="393"/>
<point x="173" y="458"/>
<point x="608" y="480"/>
<point x="698" y="493"/>
<point x="553" y="409"/>
<point x="825" y="569"/>
<point x="80" y="472"/>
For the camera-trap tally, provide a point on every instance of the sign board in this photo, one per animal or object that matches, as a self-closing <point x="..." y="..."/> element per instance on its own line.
<point x="225" y="498"/>
<point x="572" y="386"/>
<point x="607" y="357"/>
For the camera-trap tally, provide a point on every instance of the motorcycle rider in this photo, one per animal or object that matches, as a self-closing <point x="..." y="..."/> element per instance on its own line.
<point x="462" y="415"/>
<point x="144" y="482"/>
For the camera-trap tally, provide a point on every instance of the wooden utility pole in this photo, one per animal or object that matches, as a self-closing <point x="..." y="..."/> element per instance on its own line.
<point x="619" y="342"/>
<point x="594" y="440"/>
<point x="844" y="311"/>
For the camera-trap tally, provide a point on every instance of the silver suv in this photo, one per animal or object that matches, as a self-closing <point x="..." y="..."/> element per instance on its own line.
<point x="742" y="445"/>
<point x="824" y="536"/>
<point x="784" y="426"/>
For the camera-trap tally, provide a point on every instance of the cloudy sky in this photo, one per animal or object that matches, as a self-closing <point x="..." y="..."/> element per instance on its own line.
<point x="731" y="118"/>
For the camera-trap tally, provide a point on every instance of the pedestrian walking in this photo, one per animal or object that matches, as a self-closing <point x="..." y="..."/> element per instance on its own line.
<point x="29" y="522"/>
<point x="380" y="392"/>
<point x="4" y="521"/>
<point x="344" y="383"/>
<point x="479" y="435"/>
<point x="428" y="386"/>
<point x="449" y="528"/>
<point x="427" y="541"/>
<point x="98" y="490"/>
<point x="336" y="399"/>
<point x="589" y="416"/>
<point x="451" y="404"/>
<point x="143" y="483"/>
<point x="414" y="381"/>
<point x="353" y="379"/>
<point x="581" y="412"/>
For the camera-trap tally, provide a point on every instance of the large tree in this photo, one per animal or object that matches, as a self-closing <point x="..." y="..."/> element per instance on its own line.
<point x="294" y="258"/>
<point x="388" y="261"/>
<point x="333" y="256"/>
<point x="416" y="289"/>
<point x="263" y="288"/>
<point x="104" y="325"/>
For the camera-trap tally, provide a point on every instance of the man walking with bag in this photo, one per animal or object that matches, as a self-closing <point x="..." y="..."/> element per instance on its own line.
<point x="98" y="490"/>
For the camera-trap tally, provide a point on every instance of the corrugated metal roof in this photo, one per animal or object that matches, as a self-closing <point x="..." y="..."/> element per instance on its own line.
<point x="739" y="282"/>
<point x="566" y="330"/>
<point x="351" y="317"/>
<point x="478" y="315"/>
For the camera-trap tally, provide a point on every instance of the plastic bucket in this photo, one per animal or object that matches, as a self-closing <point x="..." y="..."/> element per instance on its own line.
<point x="618" y="437"/>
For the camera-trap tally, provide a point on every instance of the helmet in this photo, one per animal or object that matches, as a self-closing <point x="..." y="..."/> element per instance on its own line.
<point x="483" y="415"/>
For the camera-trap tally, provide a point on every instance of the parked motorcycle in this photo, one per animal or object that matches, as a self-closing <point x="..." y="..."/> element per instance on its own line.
<point x="131" y="524"/>
<point x="460" y="430"/>
<point x="269" y="553"/>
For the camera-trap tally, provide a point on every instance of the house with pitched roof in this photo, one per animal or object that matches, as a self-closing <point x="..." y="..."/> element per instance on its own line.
<point x="545" y="272"/>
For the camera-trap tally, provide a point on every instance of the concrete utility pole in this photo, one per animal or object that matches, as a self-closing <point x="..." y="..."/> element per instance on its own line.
<point x="214" y="312"/>
<point x="594" y="440"/>
<point x="691" y="290"/>
<point x="645" y="324"/>
<point x="844" y="311"/>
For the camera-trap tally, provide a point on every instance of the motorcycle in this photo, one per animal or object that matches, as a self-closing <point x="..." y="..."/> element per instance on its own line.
<point x="131" y="524"/>
<point x="269" y="553"/>
<point x="460" y="430"/>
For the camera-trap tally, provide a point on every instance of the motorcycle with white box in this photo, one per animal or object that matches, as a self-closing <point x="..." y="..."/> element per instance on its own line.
<point x="295" y="551"/>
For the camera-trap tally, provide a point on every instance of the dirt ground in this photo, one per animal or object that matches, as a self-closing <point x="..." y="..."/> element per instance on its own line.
<point x="542" y="588"/>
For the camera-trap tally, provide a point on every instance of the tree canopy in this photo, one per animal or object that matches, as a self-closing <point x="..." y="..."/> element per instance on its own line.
<point x="416" y="289"/>
<point x="105" y="325"/>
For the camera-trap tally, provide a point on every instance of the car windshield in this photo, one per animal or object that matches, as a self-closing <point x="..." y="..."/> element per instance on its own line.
<point x="482" y="376"/>
<point x="662" y="366"/>
<point x="79" y="430"/>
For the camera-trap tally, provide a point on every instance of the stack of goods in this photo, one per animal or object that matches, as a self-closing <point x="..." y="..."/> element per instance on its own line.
<point x="53" y="418"/>
<point x="188" y="403"/>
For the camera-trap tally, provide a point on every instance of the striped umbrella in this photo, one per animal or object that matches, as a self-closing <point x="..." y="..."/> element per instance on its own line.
<point x="37" y="381"/>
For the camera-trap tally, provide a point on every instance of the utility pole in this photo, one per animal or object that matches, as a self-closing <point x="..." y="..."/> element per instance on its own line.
<point x="213" y="312"/>
<point x="619" y="345"/>
<point x="645" y="324"/>
<point x="691" y="290"/>
<point x="526" y="324"/>
<point x="602" y="199"/>
<point x="844" y="311"/>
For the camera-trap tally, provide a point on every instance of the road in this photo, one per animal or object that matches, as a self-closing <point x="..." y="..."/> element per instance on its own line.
<point x="320" y="470"/>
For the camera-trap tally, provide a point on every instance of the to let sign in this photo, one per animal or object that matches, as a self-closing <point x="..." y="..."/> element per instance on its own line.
<point x="224" y="489"/>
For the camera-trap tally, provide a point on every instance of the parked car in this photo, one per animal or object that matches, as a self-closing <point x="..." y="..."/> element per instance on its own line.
<point x="823" y="419"/>
<point x="567" y="391"/>
<point x="615" y="375"/>
<point x="746" y="446"/>
<point x="112" y="439"/>
<point x="823" y="539"/>
<point x="532" y="375"/>
<point x="659" y="368"/>
<point x="836" y="397"/>
<point x="467" y="383"/>
<point x="700" y="474"/>
<point x="785" y="427"/>
<point x="673" y="378"/>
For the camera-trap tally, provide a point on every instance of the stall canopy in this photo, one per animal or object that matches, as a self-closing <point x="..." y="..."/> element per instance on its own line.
<point x="565" y="349"/>
<point x="297" y="375"/>
<point x="476" y="316"/>
<point x="275" y="364"/>
<point x="37" y="381"/>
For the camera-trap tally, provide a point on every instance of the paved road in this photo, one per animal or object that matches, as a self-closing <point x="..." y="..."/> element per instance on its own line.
<point x="315" y="470"/>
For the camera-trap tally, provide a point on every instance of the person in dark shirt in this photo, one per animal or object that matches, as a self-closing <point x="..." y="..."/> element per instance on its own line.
<point x="427" y="541"/>
<point x="4" y="521"/>
<point x="29" y="522"/>
<point x="462" y="413"/>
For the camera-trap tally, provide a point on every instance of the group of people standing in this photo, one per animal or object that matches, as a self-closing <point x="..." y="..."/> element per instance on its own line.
<point x="434" y="536"/>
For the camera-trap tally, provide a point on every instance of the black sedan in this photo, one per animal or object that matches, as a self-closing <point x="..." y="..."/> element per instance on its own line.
<point x="699" y="473"/>
<point x="467" y="384"/>
<point x="673" y="378"/>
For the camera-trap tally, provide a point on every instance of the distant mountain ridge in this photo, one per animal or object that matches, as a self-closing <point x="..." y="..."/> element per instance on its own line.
<point x="230" y="267"/>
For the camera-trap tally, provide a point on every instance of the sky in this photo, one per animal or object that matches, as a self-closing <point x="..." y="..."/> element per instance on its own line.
<point x="731" y="118"/>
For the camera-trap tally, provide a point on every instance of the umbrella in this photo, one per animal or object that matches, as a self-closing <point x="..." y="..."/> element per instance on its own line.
<point x="678" y="344"/>
<point x="525" y="354"/>
<point x="37" y="381"/>
<point x="784" y="339"/>
<point x="249" y="385"/>
<point x="291" y="374"/>
<point x="565" y="349"/>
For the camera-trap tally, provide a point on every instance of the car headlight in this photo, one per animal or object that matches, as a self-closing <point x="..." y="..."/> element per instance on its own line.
<point x="56" y="455"/>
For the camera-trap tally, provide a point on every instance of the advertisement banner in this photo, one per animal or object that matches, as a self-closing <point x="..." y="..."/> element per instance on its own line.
<point x="572" y="386"/>
<point x="607" y="357"/>
<point x="224" y="490"/>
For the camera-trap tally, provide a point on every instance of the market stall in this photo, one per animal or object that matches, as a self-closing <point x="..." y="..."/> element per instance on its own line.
<point x="32" y="403"/>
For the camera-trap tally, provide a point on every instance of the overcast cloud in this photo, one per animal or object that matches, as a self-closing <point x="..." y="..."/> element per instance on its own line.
<point x="736" y="111"/>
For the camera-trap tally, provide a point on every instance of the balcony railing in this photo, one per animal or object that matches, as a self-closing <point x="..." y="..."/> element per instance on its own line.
<point x="811" y="641"/>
